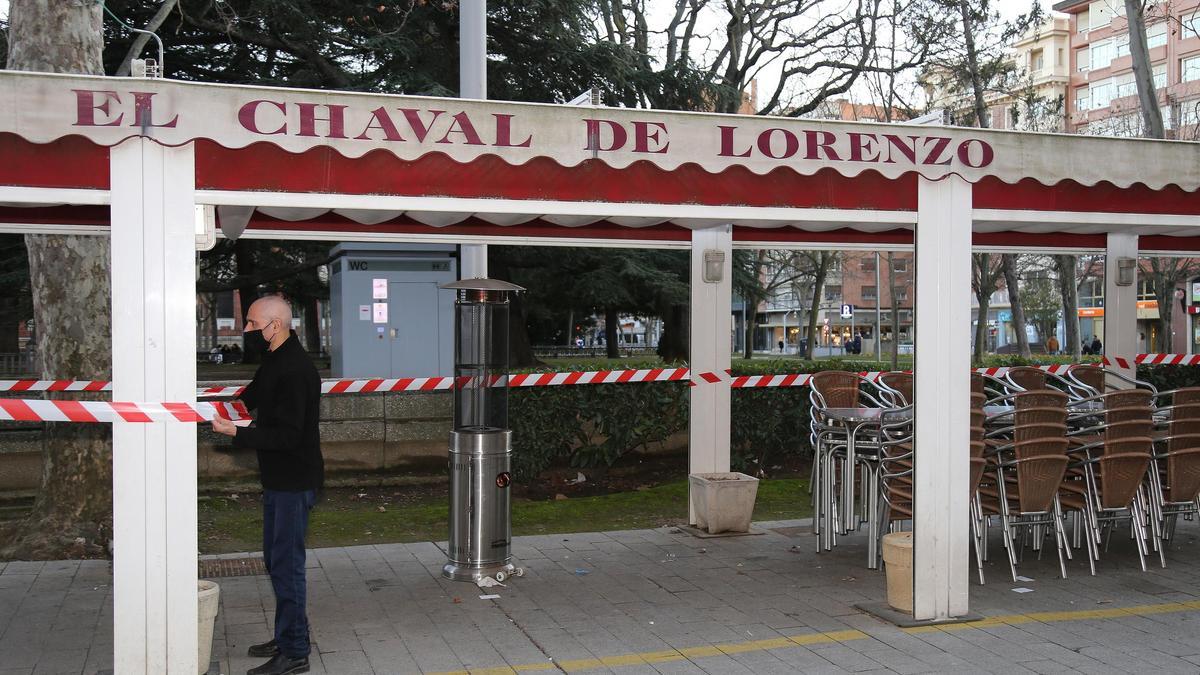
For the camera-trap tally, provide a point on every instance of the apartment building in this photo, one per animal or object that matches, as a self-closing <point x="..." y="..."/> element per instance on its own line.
<point x="1041" y="67"/>
<point x="1102" y="97"/>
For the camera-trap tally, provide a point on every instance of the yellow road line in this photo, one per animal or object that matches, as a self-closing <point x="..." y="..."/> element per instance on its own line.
<point x="688" y="653"/>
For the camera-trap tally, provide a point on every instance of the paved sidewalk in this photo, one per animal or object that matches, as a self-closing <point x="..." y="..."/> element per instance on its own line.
<point x="649" y="601"/>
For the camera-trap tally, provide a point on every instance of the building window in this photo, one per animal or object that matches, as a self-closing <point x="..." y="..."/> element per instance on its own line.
<point x="1037" y="61"/>
<point x="1122" y="46"/>
<point x="1083" y="59"/>
<point x="1146" y="290"/>
<point x="868" y="293"/>
<point x="1190" y="69"/>
<point x="901" y="295"/>
<point x="867" y="264"/>
<point x="1099" y="14"/>
<point x="1101" y="54"/>
<point x="1101" y="93"/>
<point x="1156" y="35"/>
<point x="833" y="292"/>
<point x="1082" y="21"/>
<point x="1189" y="113"/>
<point x="900" y="265"/>
<point x="1191" y="25"/>
<point x="1160" y="76"/>
<point x="1126" y="86"/>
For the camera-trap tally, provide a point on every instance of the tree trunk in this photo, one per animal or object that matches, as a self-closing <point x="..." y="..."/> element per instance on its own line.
<point x="977" y="92"/>
<point x="520" y="349"/>
<point x="674" y="345"/>
<point x="751" y="321"/>
<point x="69" y="277"/>
<point x="1069" y="293"/>
<point x="214" y="330"/>
<point x="815" y="306"/>
<point x="612" y="326"/>
<point x="895" y="299"/>
<point x="10" y="325"/>
<point x="244" y="257"/>
<point x="1164" y="292"/>
<point x="312" y="324"/>
<point x="1008" y="263"/>
<point x="1143" y="72"/>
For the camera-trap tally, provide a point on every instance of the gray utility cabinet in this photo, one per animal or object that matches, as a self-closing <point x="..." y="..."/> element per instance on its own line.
<point x="407" y="333"/>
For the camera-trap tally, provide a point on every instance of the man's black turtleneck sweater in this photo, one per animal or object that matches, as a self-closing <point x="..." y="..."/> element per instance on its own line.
<point x="286" y="392"/>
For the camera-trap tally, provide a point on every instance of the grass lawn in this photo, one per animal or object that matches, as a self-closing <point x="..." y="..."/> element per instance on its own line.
<point x="230" y="525"/>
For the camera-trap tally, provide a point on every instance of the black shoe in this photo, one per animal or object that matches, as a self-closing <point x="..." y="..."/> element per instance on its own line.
<point x="266" y="649"/>
<point x="281" y="664"/>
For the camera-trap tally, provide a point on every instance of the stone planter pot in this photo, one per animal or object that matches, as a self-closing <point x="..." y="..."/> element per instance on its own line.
<point x="724" y="502"/>
<point x="210" y="596"/>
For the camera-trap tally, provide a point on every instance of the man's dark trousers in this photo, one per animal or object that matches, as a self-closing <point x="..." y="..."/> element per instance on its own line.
<point x="285" y="519"/>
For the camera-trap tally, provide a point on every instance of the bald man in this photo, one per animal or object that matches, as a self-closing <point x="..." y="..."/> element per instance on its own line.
<point x="286" y="395"/>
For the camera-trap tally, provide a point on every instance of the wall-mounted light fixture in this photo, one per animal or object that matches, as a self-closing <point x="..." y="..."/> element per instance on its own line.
<point x="1126" y="271"/>
<point x="714" y="265"/>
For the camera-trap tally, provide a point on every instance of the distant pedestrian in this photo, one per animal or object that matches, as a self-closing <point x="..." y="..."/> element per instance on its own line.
<point x="1097" y="347"/>
<point x="1052" y="345"/>
<point x="781" y="346"/>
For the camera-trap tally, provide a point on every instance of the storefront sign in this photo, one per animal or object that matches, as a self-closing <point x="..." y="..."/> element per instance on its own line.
<point x="43" y="107"/>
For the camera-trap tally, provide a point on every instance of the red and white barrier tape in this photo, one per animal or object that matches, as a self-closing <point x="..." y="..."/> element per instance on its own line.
<point x="36" y="410"/>
<point x="521" y="380"/>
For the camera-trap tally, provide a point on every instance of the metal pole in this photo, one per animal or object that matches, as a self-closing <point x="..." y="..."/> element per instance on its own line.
<point x="472" y="83"/>
<point x="878" y="335"/>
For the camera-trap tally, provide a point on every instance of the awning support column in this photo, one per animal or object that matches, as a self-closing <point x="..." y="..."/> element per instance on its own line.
<point x="942" y="391"/>
<point x="1120" y="305"/>
<point x="154" y="360"/>
<point x="711" y="323"/>
<point x="472" y="83"/>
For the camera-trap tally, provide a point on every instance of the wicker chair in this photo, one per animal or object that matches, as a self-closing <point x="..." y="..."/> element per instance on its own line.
<point x="897" y="386"/>
<point x="838" y="389"/>
<point x="1174" y="475"/>
<point x="1026" y="378"/>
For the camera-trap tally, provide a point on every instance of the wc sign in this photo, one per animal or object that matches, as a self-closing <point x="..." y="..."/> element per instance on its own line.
<point x="847" y="311"/>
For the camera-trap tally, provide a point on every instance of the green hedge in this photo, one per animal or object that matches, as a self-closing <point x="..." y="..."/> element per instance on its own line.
<point x="594" y="425"/>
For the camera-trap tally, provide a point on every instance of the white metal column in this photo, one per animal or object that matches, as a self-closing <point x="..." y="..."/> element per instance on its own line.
<point x="942" y="391"/>
<point x="472" y="83"/>
<point x="154" y="359"/>
<point x="1120" y="305"/>
<point x="711" y="323"/>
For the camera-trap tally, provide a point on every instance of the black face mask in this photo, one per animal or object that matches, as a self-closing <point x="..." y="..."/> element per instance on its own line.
<point x="255" y="342"/>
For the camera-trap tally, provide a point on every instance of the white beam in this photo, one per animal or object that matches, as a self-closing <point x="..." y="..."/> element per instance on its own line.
<point x="472" y="83"/>
<point x="708" y="434"/>
<point x="942" y="392"/>
<point x="154" y="359"/>
<point x="1120" y="305"/>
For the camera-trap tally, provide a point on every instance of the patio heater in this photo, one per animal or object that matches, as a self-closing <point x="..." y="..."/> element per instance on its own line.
<point x="481" y="442"/>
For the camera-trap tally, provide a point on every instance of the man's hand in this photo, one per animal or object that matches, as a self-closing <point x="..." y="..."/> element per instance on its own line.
<point x="224" y="426"/>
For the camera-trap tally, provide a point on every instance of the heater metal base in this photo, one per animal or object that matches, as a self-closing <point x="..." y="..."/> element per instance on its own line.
<point x="456" y="572"/>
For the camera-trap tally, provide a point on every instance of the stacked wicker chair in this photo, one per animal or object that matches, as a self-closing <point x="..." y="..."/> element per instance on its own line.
<point x="1173" y="479"/>
<point x="1027" y="452"/>
<point x="1111" y="450"/>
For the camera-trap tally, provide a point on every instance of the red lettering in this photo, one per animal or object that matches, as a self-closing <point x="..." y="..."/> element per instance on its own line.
<point x="86" y="107"/>
<point x="382" y="121"/>
<point x="309" y="119"/>
<point x="860" y="145"/>
<point x="896" y="143"/>
<point x="414" y="121"/>
<point x="940" y="143"/>
<point x="825" y="142"/>
<point x="642" y="137"/>
<point x="986" y="153"/>
<point x="462" y="125"/>
<point x="791" y="144"/>
<point x="594" y="142"/>
<point x="727" y="143"/>
<point x="143" y="111"/>
<point x="504" y="133"/>
<point x="248" y="117"/>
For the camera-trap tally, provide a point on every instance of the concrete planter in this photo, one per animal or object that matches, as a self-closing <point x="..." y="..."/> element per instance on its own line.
<point x="724" y="501"/>
<point x="898" y="564"/>
<point x="210" y="597"/>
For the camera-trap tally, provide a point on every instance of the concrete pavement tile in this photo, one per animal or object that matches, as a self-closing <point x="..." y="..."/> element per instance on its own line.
<point x="347" y="663"/>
